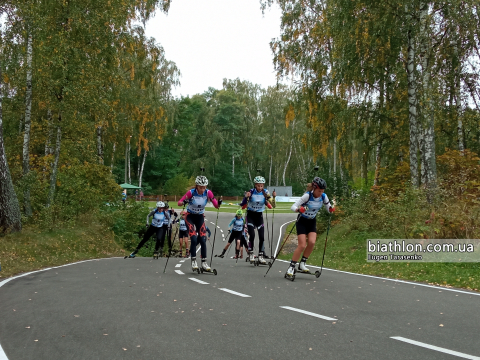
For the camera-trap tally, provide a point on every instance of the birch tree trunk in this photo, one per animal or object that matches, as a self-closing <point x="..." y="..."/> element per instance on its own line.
<point x="335" y="163"/>
<point x="286" y="163"/>
<point x="126" y="163"/>
<point x="26" y="136"/>
<point x="270" y="172"/>
<point x="10" y="217"/>
<point x="141" y="169"/>
<point x="129" y="168"/>
<point x="100" y="145"/>
<point x="412" y="110"/>
<point x="53" y="176"/>
<point x="428" y="149"/>
<point x="457" y="64"/>
<point x="113" y="156"/>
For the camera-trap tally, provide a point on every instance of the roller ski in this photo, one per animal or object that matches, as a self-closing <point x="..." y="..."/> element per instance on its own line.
<point x="260" y="260"/>
<point x="302" y="269"/>
<point x="131" y="256"/>
<point x="206" y="269"/>
<point x="195" y="266"/>
<point x="156" y="255"/>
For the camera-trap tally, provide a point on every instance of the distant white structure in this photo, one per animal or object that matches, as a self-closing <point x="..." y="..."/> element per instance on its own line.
<point x="281" y="190"/>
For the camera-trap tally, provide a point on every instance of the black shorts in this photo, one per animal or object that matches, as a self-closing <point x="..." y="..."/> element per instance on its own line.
<point x="235" y="235"/>
<point x="306" y="226"/>
<point x="255" y="219"/>
<point x="183" y="234"/>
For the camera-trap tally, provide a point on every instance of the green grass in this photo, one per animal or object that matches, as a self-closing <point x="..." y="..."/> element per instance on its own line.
<point x="346" y="250"/>
<point x="34" y="249"/>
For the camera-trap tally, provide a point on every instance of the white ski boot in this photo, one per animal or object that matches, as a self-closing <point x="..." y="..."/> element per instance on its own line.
<point x="205" y="266"/>
<point x="302" y="267"/>
<point x="261" y="260"/>
<point x="290" y="274"/>
<point x="194" y="264"/>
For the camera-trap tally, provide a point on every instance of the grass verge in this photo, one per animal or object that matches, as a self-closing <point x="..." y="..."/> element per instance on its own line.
<point x="34" y="249"/>
<point x="346" y="250"/>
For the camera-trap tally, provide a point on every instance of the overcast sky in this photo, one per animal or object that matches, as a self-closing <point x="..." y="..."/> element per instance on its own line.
<point x="210" y="40"/>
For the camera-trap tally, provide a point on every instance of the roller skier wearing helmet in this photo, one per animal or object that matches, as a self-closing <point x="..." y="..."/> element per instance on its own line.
<point x="255" y="201"/>
<point x="196" y="199"/>
<point x="308" y="206"/>
<point x="155" y="228"/>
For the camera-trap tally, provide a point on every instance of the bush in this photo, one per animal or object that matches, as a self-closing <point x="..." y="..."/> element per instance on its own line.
<point x="127" y="221"/>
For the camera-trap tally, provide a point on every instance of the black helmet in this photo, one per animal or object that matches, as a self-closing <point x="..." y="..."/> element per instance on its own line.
<point x="319" y="182"/>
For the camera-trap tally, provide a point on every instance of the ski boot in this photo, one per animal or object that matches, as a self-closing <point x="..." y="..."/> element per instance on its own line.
<point x="132" y="255"/>
<point x="187" y="254"/>
<point x="261" y="260"/>
<point x="290" y="274"/>
<point x="155" y="255"/>
<point x="206" y="269"/>
<point x="195" y="266"/>
<point x="251" y="258"/>
<point x="302" y="269"/>
<point x="221" y="255"/>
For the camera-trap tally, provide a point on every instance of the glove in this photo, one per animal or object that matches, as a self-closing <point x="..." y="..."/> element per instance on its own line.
<point x="331" y="210"/>
<point x="301" y="209"/>
<point x="185" y="202"/>
<point x="229" y="231"/>
<point x="147" y="226"/>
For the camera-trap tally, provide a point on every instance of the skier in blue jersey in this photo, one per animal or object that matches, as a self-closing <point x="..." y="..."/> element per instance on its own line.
<point x="155" y="228"/>
<point x="308" y="206"/>
<point x="255" y="201"/>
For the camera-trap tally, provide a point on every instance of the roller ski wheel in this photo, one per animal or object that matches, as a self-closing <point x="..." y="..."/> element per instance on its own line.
<point x="317" y="274"/>
<point x="289" y="277"/>
<point x="155" y="255"/>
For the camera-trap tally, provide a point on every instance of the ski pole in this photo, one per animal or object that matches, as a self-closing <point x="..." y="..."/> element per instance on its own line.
<point x="271" y="248"/>
<point x="325" y="248"/>
<point x="215" y="233"/>
<point x="294" y="226"/>
<point x="173" y="242"/>
<point x="268" y="231"/>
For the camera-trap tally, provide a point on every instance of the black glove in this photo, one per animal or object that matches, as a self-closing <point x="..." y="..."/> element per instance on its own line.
<point x="147" y="226"/>
<point x="185" y="202"/>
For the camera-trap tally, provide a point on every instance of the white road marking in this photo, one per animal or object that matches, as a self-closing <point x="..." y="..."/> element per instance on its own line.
<point x="182" y="261"/>
<point x="3" y="356"/>
<point x="199" y="281"/>
<point x="309" y="313"/>
<point x="179" y="272"/>
<point x="234" y="292"/>
<point x="436" y="348"/>
<point x="221" y="230"/>
<point x="178" y="265"/>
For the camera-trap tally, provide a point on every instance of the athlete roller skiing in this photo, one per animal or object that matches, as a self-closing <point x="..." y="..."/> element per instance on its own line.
<point x="155" y="228"/>
<point x="308" y="206"/>
<point x="183" y="234"/>
<point x="196" y="199"/>
<point x="255" y="201"/>
<point x="236" y="228"/>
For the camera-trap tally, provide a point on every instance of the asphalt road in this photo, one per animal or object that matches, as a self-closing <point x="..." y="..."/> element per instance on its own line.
<point x="130" y="309"/>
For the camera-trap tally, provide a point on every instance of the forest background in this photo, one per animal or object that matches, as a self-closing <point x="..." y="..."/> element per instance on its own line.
<point x="383" y="97"/>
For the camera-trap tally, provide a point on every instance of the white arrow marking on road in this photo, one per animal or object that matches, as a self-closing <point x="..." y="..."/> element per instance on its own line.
<point x="234" y="292"/>
<point x="179" y="272"/>
<point x="436" y="348"/>
<point x="309" y="313"/>
<point x="199" y="281"/>
<point x="178" y="265"/>
<point x="182" y="261"/>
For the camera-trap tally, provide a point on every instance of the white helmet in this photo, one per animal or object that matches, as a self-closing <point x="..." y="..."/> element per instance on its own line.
<point x="160" y="204"/>
<point x="259" y="180"/>
<point x="201" y="180"/>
